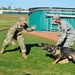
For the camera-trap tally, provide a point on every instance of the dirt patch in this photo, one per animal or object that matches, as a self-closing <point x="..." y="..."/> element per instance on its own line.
<point x="50" y="35"/>
<point x="12" y="16"/>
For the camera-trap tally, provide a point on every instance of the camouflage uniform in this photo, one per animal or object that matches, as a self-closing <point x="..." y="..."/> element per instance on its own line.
<point x="15" y="33"/>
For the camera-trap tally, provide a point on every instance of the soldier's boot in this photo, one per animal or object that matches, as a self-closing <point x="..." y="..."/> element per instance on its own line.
<point x="24" y="55"/>
<point x="2" y="50"/>
<point x="64" y="61"/>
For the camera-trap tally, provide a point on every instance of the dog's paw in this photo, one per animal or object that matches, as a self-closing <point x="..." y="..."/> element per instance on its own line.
<point x="54" y="63"/>
<point x="43" y="48"/>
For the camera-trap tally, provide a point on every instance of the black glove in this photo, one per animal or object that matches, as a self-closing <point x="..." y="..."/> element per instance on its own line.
<point x="25" y="26"/>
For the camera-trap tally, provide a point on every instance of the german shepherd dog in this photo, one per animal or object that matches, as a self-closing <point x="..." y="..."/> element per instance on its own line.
<point x="60" y="52"/>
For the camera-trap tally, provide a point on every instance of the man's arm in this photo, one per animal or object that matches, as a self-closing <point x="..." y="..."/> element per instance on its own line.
<point x="63" y="34"/>
<point x="26" y="27"/>
<point x="61" y="39"/>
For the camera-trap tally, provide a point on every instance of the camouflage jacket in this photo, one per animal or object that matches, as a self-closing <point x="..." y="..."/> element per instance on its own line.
<point x="16" y="30"/>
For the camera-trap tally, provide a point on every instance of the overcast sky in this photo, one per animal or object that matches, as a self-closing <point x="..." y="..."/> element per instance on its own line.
<point x="26" y="4"/>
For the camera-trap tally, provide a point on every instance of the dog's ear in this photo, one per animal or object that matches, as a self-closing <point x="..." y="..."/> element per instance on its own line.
<point x="42" y="44"/>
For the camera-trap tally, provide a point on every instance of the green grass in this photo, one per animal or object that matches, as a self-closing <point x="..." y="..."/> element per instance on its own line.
<point x="7" y="22"/>
<point x="37" y="63"/>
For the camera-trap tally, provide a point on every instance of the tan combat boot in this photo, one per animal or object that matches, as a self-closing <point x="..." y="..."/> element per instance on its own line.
<point x="2" y="51"/>
<point x="24" y="55"/>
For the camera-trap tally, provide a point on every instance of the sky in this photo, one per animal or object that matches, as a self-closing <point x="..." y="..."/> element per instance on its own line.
<point x="26" y="4"/>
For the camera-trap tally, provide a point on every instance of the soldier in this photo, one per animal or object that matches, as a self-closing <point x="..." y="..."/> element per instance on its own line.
<point x="14" y="32"/>
<point x="67" y="37"/>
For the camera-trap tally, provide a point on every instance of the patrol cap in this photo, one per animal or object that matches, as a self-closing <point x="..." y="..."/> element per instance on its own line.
<point x="56" y="17"/>
<point x="23" y="19"/>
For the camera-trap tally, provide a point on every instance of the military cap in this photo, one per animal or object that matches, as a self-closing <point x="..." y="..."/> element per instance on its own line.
<point x="56" y="17"/>
<point x="23" y="19"/>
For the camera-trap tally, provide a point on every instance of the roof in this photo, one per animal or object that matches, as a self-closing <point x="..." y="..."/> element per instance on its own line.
<point x="50" y="9"/>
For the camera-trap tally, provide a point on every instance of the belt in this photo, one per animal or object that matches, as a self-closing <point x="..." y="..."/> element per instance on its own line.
<point x="68" y="30"/>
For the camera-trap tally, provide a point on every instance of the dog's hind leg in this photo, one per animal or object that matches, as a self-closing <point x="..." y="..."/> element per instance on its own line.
<point x="58" y="58"/>
<point x="64" y="61"/>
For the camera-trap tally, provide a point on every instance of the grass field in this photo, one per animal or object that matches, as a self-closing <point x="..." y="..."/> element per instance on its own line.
<point x="7" y="20"/>
<point x="38" y="61"/>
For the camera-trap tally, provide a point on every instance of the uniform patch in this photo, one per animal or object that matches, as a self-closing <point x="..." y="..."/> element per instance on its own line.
<point x="63" y="30"/>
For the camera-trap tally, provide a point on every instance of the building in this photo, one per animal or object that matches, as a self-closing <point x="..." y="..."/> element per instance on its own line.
<point x="14" y="12"/>
<point x="42" y="17"/>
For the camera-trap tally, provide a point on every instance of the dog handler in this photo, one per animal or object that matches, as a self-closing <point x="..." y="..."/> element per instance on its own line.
<point x="67" y="37"/>
<point x="14" y="32"/>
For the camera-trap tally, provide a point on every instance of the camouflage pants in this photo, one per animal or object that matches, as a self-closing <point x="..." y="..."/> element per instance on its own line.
<point x="19" y="39"/>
